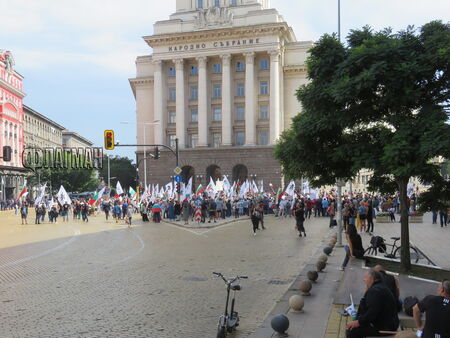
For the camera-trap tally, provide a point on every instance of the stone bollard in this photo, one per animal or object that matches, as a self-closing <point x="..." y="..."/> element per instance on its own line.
<point x="327" y="250"/>
<point x="320" y="265"/>
<point x="305" y="286"/>
<point x="280" y="323"/>
<point x="312" y="275"/>
<point x="323" y="258"/>
<point x="296" y="302"/>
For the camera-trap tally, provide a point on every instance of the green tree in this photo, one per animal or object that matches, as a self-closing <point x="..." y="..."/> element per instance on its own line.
<point x="381" y="102"/>
<point x="120" y="167"/>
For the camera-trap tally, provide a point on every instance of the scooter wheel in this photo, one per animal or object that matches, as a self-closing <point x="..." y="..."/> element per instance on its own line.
<point x="221" y="332"/>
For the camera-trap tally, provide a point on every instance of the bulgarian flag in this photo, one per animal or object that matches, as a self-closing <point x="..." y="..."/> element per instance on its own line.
<point x="96" y="197"/>
<point x="279" y="194"/>
<point x="24" y="191"/>
<point x="132" y="193"/>
<point x="200" y="189"/>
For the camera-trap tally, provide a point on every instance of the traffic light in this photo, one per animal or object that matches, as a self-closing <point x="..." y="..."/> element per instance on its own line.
<point x="156" y="156"/>
<point x="6" y="153"/>
<point x="178" y="187"/>
<point x="109" y="139"/>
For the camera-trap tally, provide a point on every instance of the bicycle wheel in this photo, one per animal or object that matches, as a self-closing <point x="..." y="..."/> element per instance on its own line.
<point x="370" y="251"/>
<point x="413" y="253"/>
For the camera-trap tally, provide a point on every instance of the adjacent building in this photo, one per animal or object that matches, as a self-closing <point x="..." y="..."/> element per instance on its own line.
<point x="11" y="126"/>
<point x="40" y="131"/>
<point x="221" y="79"/>
<point x="71" y="139"/>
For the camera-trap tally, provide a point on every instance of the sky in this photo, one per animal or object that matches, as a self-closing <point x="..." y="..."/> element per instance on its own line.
<point x="77" y="55"/>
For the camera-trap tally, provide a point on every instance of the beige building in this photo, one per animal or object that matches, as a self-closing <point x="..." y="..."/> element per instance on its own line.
<point x="40" y="131"/>
<point x="221" y="79"/>
<point x="71" y="139"/>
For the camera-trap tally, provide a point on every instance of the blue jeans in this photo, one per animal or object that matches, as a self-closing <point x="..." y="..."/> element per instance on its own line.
<point x="347" y="256"/>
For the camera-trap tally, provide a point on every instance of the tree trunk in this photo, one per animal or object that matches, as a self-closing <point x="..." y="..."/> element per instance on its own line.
<point x="405" y="262"/>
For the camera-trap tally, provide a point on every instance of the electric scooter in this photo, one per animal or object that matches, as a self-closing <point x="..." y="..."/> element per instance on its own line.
<point x="229" y="320"/>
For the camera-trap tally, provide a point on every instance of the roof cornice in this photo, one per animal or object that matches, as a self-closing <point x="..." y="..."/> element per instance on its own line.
<point x="280" y="28"/>
<point x="12" y="89"/>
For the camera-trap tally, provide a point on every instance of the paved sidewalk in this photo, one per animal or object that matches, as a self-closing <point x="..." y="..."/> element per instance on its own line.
<point x="430" y="238"/>
<point x="207" y="225"/>
<point x="312" y="321"/>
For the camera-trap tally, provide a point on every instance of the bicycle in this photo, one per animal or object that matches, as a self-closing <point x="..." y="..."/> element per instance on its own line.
<point x="378" y="245"/>
<point x="229" y="320"/>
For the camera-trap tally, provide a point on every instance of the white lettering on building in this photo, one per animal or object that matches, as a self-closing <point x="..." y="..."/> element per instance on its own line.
<point x="215" y="44"/>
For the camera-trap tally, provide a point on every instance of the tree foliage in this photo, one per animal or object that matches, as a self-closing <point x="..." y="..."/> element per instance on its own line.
<point x="380" y="103"/>
<point x="120" y="167"/>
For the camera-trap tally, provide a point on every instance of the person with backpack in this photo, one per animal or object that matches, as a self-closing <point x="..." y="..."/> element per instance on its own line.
<point x="362" y="213"/>
<point x="437" y="313"/>
<point x="24" y="213"/>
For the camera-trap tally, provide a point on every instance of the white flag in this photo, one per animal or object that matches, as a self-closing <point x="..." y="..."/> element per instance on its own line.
<point x="187" y="193"/>
<point x="226" y="185"/>
<point x="40" y="194"/>
<point x="119" y="189"/>
<point x="290" y="189"/>
<point x="169" y="188"/>
<point x="254" y="188"/>
<point x="62" y="196"/>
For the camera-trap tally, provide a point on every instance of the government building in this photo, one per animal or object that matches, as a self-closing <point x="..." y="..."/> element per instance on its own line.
<point x="221" y="78"/>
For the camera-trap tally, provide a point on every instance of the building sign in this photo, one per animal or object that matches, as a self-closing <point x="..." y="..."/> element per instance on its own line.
<point x="215" y="44"/>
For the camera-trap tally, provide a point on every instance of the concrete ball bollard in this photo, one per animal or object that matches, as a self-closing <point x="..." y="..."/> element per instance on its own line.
<point x="327" y="250"/>
<point x="312" y="275"/>
<point x="330" y="244"/>
<point x="280" y="323"/>
<point x="296" y="302"/>
<point x="305" y="286"/>
<point x="323" y="258"/>
<point x="320" y="265"/>
<point x="333" y="240"/>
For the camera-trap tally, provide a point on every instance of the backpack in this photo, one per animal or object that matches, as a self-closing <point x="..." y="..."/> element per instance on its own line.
<point x="408" y="304"/>
<point x="378" y="242"/>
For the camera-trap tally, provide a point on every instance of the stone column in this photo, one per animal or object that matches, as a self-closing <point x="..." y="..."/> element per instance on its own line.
<point x="226" y="101"/>
<point x="158" y="102"/>
<point x="202" y="123"/>
<point x="274" y="96"/>
<point x="250" y="123"/>
<point x="180" y="104"/>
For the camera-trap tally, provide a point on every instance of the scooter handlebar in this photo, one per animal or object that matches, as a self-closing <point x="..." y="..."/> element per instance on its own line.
<point x="218" y="274"/>
<point x="243" y="277"/>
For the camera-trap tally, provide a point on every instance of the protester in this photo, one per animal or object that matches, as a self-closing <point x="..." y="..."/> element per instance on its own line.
<point x="299" y="214"/>
<point x="24" y="213"/>
<point x="437" y="313"/>
<point x="354" y="247"/>
<point x="377" y="309"/>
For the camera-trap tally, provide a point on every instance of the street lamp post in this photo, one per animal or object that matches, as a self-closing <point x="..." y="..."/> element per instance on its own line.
<point x="145" y="142"/>
<point x="339" y="20"/>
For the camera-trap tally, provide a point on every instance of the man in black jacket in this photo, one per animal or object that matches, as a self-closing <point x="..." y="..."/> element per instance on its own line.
<point x="377" y="309"/>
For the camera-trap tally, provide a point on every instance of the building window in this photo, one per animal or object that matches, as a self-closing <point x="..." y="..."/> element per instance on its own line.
<point x="264" y="112"/>
<point x="172" y="71"/>
<point x="264" y="64"/>
<point x="240" y="138"/>
<point x="240" y="66"/>
<point x="217" y="114"/>
<point x="194" y="140"/>
<point x="194" y="92"/>
<point x="264" y="88"/>
<point x="240" y="113"/>
<point x="217" y="139"/>
<point x="217" y="68"/>
<point x="217" y="3"/>
<point x="194" y="115"/>
<point x="263" y="138"/>
<point x="194" y="70"/>
<point x="172" y="94"/>
<point x="172" y="141"/>
<point x="217" y="91"/>
<point x="199" y="3"/>
<point x="233" y="2"/>
<point x="240" y="89"/>
<point x="172" y="117"/>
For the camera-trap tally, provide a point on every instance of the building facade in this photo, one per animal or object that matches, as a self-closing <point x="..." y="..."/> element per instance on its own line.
<point x="40" y="131"/>
<point x="222" y="80"/>
<point x="71" y="139"/>
<point x="11" y="127"/>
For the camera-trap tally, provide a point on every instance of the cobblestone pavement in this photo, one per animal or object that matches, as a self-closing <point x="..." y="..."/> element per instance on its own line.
<point x="101" y="279"/>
